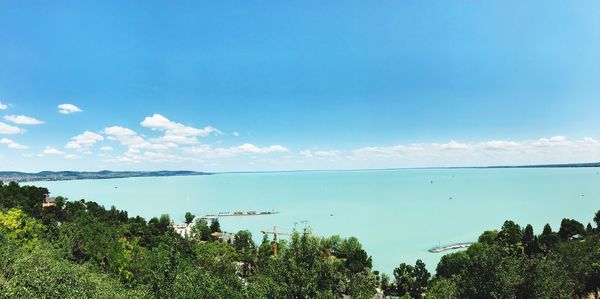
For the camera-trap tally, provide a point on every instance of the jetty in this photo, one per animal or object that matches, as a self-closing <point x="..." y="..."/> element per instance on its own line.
<point x="450" y="247"/>
<point x="239" y="213"/>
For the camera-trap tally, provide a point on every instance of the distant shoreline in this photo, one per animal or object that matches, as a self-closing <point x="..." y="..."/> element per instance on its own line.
<point x="18" y="176"/>
<point x="8" y="176"/>
<point x="566" y="165"/>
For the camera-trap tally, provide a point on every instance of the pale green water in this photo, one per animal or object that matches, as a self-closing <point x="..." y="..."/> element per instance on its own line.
<point x="396" y="214"/>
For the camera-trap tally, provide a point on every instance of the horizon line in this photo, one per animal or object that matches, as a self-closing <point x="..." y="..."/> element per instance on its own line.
<point x="552" y="165"/>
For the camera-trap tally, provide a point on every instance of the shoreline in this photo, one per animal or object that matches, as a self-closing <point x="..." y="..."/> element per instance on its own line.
<point x="51" y="176"/>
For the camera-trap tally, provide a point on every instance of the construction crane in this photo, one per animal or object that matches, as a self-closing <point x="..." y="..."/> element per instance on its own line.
<point x="275" y="233"/>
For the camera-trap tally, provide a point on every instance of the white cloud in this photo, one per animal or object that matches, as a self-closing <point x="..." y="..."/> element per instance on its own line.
<point x="106" y="148"/>
<point x="200" y="149"/>
<point x="125" y="136"/>
<point x="17" y="146"/>
<point x="453" y="145"/>
<point x="177" y="144"/>
<point x="387" y="151"/>
<point x="306" y="154"/>
<point x="134" y="142"/>
<point x="251" y="148"/>
<point x="119" y="131"/>
<point x="72" y="157"/>
<point x="557" y="149"/>
<point x="50" y="151"/>
<point x="235" y="134"/>
<point x="84" y="141"/>
<point x="68" y="108"/>
<point x="320" y="154"/>
<point x="552" y="141"/>
<point x="500" y="145"/>
<point x="175" y="132"/>
<point x="3" y="106"/>
<point x="176" y="139"/>
<point x="11" y="144"/>
<point x="246" y="148"/>
<point x="328" y="154"/>
<point x="23" y="120"/>
<point x="8" y="129"/>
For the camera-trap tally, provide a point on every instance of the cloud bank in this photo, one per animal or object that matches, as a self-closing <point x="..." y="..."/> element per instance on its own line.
<point x="176" y="145"/>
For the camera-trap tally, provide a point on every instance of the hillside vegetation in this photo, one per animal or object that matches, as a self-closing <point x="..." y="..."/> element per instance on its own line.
<point x="79" y="249"/>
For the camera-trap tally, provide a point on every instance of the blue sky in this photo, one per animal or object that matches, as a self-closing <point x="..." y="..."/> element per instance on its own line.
<point x="298" y="85"/>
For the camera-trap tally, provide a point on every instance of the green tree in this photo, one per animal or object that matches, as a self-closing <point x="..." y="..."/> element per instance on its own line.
<point x="491" y="272"/>
<point x="528" y="235"/>
<point x="303" y="270"/>
<point x="42" y="273"/>
<point x="194" y="282"/>
<point x="246" y="249"/>
<point x="488" y="237"/>
<point x="363" y="285"/>
<point x="510" y="234"/>
<point x="355" y="258"/>
<point x="529" y="240"/>
<point x="452" y="264"/>
<point x="201" y="231"/>
<point x="215" y="226"/>
<point x="189" y="217"/>
<point x="164" y="259"/>
<point x="265" y="251"/>
<point x="443" y="288"/>
<point x="570" y="228"/>
<point x="404" y="276"/>
<point x="20" y="228"/>
<point x="548" y="239"/>
<point x="550" y="278"/>
<point x="547" y="230"/>
<point x="421" y="279"/>
<point x="386" y="284"/>
<point x="217" y="257"/>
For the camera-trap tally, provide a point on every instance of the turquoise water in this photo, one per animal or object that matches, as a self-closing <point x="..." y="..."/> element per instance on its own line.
<point x="396" y="214"/>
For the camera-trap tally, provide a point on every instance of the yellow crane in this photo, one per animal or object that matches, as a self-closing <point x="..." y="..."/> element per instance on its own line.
<point x="275" y="233"/>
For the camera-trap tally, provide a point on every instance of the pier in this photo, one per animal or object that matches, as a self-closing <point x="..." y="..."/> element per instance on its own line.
<point x="239" y="213"/>
<point x="449" y="247"/>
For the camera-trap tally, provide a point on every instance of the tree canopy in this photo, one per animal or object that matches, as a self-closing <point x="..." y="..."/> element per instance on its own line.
<point x="80" y="249"/>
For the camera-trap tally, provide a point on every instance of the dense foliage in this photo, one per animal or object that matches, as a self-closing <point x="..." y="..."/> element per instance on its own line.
<point x="79" y="249"/>
<point x="514" y="263"/>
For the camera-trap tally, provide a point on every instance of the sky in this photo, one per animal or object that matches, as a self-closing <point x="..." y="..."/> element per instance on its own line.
<point x="289" y="85"/>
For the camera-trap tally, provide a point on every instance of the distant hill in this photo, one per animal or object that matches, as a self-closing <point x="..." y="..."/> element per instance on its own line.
<point x="594" y="164"/>
<point x="82" y="175"/>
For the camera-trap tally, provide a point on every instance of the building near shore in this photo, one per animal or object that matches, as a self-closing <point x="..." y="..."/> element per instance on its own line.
<point x="49" y="202"/>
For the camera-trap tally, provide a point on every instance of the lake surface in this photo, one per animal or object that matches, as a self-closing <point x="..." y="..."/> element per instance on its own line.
<point x="396" y="214"/>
